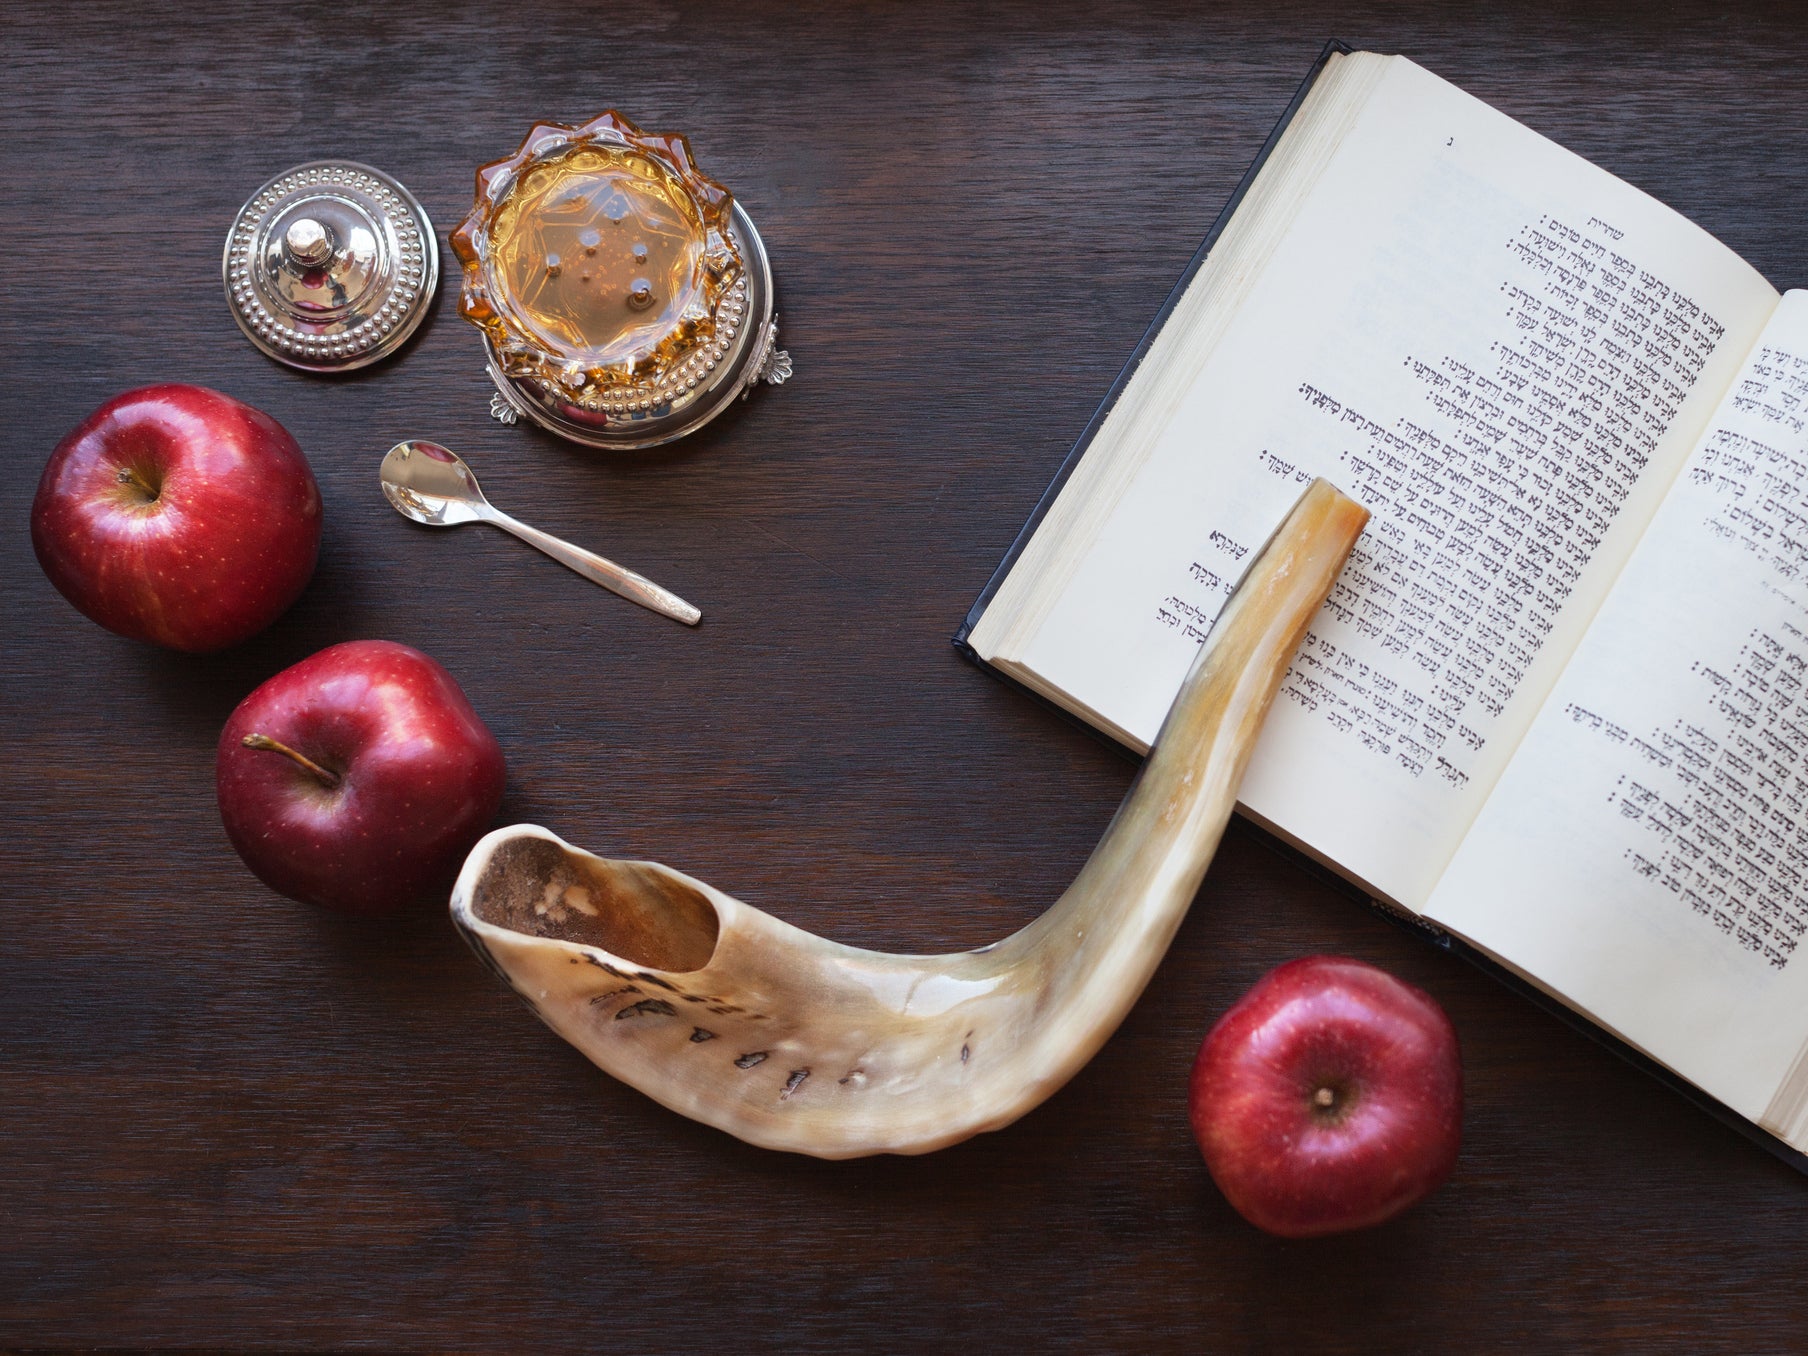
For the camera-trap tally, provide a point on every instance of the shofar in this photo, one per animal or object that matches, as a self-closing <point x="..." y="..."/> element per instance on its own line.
<point x="728" y="1015"/>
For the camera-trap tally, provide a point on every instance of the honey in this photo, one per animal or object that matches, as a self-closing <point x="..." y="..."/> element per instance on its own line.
<point x="599" y="253"/>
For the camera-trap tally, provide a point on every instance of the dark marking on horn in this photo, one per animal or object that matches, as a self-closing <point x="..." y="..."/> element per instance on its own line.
<point x="647" y="1007"/>
<point x="613" y="993"/>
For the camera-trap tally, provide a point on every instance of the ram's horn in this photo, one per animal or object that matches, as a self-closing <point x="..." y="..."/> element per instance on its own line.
<point x="746" y="1023"/>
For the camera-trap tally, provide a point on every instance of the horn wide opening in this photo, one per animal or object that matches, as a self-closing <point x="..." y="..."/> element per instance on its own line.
<point x="540" y="889"/>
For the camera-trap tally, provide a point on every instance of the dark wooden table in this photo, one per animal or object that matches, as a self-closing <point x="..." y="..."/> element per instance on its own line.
<point x="232" y="1121"/>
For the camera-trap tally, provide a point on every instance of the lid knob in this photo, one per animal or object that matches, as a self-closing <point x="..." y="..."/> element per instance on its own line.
<point x="307" y="242"/>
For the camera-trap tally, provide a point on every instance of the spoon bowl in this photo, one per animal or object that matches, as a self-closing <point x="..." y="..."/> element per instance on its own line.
<point x="431" y="485"/>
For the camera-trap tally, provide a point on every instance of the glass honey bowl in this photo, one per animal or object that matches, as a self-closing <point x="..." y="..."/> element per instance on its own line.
<point x="623" y="296"/>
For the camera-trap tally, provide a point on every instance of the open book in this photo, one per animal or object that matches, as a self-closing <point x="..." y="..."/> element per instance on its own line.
<point x="1558" y="704"/>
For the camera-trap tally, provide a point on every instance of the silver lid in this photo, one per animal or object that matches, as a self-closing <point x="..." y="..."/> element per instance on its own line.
<point x="330" y="266"/>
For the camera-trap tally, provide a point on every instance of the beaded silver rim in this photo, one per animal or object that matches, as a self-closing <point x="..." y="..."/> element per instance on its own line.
<point x="407" y="268"/>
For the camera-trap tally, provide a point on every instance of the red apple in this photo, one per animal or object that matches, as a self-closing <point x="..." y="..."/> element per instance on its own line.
<point x="1329" y="1098"/>
<point x="178" y="515"/>
<point x="357" y="779"/>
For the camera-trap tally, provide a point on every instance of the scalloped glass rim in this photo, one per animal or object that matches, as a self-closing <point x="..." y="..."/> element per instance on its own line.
<point x="591" y="352"/>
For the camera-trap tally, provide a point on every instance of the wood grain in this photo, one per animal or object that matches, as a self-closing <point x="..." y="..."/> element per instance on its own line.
<point x="231" y="1121"/>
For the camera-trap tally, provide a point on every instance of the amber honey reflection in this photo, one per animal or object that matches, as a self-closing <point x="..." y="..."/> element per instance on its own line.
<point x="599" y="254"/>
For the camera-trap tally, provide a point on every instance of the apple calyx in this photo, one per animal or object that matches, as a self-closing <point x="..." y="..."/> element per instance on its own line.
<point x="1331" y="1103"/>
<point x="327" y="778"/>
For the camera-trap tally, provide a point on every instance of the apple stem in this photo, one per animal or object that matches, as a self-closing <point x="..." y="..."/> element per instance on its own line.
<point x="260" y="741"/>
<point x="127" y="476"/>
<point x="1324" y="1097"/>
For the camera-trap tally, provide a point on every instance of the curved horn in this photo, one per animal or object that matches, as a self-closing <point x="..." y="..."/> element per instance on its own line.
<point x="736" y="1019"/>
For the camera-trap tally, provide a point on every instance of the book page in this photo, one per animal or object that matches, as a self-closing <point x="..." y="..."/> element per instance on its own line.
<point x="1645" y="855"/>
<point x="1501" y="350"/>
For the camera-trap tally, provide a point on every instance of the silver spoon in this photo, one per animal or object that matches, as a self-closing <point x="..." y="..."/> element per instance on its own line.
<point x="432" y="485"/>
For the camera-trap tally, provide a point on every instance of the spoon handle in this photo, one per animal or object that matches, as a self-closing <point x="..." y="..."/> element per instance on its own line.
<point x="598" y="570"/>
